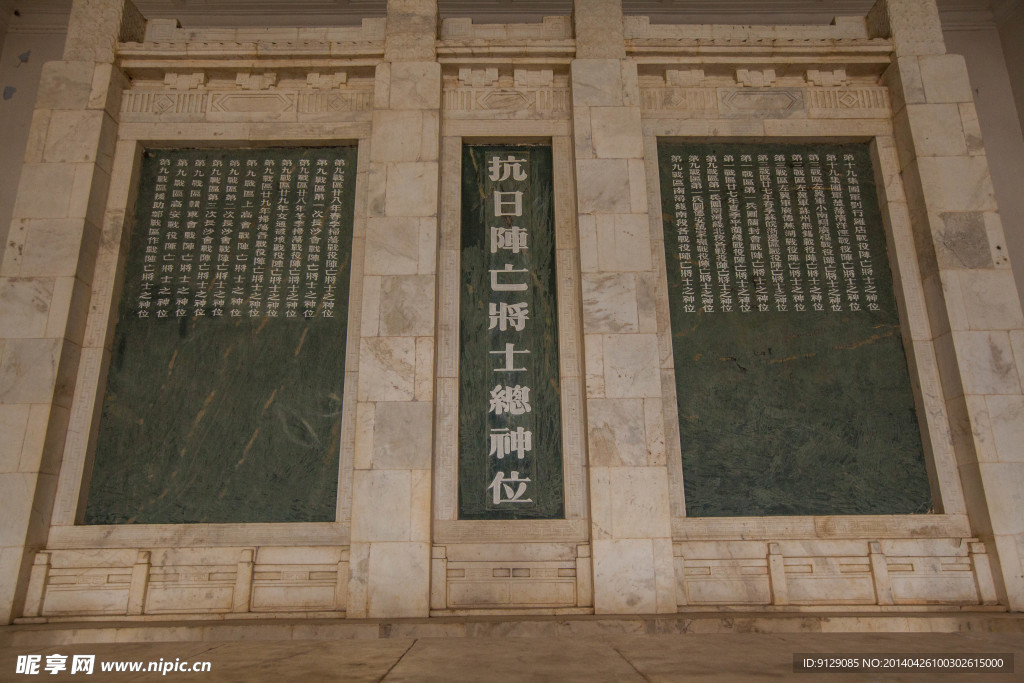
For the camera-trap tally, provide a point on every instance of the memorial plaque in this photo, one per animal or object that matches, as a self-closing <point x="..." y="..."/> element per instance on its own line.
<point x="224" y="393"/>
<point x="510" y="440"/>
<point x="792" y="383"/>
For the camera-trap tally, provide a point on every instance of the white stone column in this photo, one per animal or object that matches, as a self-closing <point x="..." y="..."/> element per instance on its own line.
<point x="970" y="291"/>
<point x="631" y="527"/>
<point x="47" y="271"/>
<point x="390" y="552"/>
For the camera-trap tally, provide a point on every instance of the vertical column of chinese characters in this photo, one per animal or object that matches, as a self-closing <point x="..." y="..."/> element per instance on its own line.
<point x="508" y="242"/>
<point x="828" y="257"/>
<point x="186" y="263"/>
<point x="700" y="229"/>
<point x="846" y="260"/>
<point x="752" y="216"/>
<point x="259" y="254"/>
<point x="241" y="255"/>
<point x="860" y="232"/>
<point x="277" y="255"/>
<point x="327" y="301"/>
<point x="165" y="274"/>
<point x="312" y="257"/>
<point x="684" y="244"/>
<point x="225" y="228"/>
<point x="296" y="246"/>
<point x="780" y="296"/>
<point x="741" y="273"/>
<point x="154" y="232"/>
<point x="206" y="229"/>
<point x="803" y="202"/>
<point x="793" y="259"/>
<point x="722" y="278"/>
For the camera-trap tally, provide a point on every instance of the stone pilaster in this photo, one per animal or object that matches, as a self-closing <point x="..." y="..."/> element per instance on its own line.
<point x="970" y="292"/>
<point x="629" y="501"/>
<point x="46" y="276"/>
<point x="390" y="552"/>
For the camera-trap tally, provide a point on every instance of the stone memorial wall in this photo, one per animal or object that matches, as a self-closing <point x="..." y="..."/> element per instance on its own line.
<point x="604" y="317"/>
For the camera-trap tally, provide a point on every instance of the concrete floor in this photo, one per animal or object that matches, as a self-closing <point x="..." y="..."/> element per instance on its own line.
<point x="591" y="656"/>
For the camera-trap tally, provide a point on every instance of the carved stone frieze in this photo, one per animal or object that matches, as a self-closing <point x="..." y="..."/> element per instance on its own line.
<point x="174" y="104"/>
<point x="549" y="101"/>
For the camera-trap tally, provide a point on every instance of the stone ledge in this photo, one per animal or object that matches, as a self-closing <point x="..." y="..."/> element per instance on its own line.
<point x="562" y="626"/>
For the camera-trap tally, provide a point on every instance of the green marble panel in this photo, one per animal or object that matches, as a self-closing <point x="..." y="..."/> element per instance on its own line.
<point x="510" y="439"/>
<point x="224" y="395"/>
<point x="791" y="377"/>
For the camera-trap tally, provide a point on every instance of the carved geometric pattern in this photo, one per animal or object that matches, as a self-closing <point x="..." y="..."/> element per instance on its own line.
<point x="554" y="100"/>
<point x="168" y="103"/>
<point x="848" y="98"/>
<point x="684" y="99"/>
<point x="271" y="102"/>
<point x="464" y="531"/>
<point x="757" y="101"/>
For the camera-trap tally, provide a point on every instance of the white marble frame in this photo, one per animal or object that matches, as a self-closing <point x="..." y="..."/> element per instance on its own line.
<point x="447" y="527"/>
<point x="950" y="518"/>
<point x="72" y="483"/>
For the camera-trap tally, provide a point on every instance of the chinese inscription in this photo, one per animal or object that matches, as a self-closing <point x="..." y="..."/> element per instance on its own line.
<point x="791" y="377"/>
<point x="224" y="394"/>
<point x="509" y="414"/>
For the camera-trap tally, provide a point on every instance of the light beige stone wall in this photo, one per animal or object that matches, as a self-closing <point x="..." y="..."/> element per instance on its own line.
<point x="390" y="573"/>
<point x="601" y="90"/>
<point x="975" y="314"/>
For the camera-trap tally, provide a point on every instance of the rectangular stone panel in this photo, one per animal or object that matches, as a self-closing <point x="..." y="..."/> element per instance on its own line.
<point x="510" y="458"/>
<point x="224" y="396"/>
<point x="792" y="384"/>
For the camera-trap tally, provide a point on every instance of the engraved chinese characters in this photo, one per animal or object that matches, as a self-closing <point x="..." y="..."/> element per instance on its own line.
<point x="791" y="378"/>
<point x="224" y="394"/>
<point x="510" y="463"/>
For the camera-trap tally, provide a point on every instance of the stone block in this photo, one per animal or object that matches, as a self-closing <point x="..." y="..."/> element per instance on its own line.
<point x="624" y="577"/>
<point x="1006" y="416"/>
<point x="990" y="298"/>
<point x="639" y="497"/>
<point x="903" y="78"/>
<point x="24" y="307"/>
<point x="596" y="83"/>
<point x="380" y="505"/>
<point x="1017" y="343"/>
<point x="630" y="247"/>
<point x="616" y="433"/>
<point x="28" y="370"/>
<point x="986" y="363"/>
<point x="654" y="426"/>
<point x="610" y="302"/>
<point x="399" y="580"/>
<point x="913" y="25"/>
<point x="56" y="247"/>
<point x="957" y="183"/>
<point x="406" y="306"/>
<point x="13" y="423"/>
<point x="65" y="85"/>
<point x="929" y="130"/>
<point x="45" y="190"/>
<point x="402" y="434"/>
<point x="387" y="368"/>
<point x="73" y="136"/>
<point x="405" y="135"/>
<point x="631" y="367"/>
<point x="961" y="241"/>
<point x="972" y="128"/>
<point x="412" y="189"/>
<point x="392" y="246"/>
<point x="17" y="490"/>
<point x="415" y="85"/>
<point x="945" y="78"/>
<point x="588" y="243"/>
<point x="593" y="346"/>
<point x="1004" y="493"/>
<point x="616" y="132"/>
<point x="599" y="186"/>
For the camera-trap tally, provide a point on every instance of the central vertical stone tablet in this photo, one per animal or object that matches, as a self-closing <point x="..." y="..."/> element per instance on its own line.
<point x="510" y="434"/>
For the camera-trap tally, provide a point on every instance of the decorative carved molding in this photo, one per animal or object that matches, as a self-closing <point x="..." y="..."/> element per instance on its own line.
<point x="255" y="81"/>
<point x="755" y="78"/>
<point x="326" y="81"/>
<point x="185" y="81"/>
<point x="160" y="104"/>
<point x="496" y="531"/>
<point x="478" y="78"/>
<point x="848" y="98"/>
<point x="551" y="100"/>
<point x="697" y="100"/>
<point x="550" y="28"/>
<point x="828" y="78"/>
<point x="761" y="102"/>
